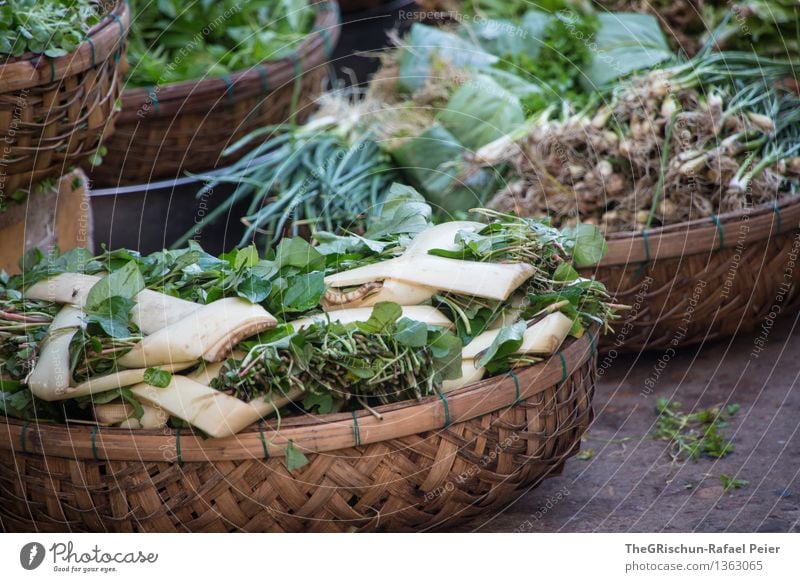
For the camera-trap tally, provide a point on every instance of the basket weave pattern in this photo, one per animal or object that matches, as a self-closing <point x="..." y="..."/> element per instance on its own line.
<point x="703" y="280"/>
<point x="184" y="127"/>
<point x="55" y="112"/>
<point x="491" y="448"/>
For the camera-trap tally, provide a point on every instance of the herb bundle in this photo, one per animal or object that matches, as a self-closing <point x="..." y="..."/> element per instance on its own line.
<point x="385" y="359"/>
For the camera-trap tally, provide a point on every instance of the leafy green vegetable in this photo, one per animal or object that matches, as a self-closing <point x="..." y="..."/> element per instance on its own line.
<point x="506" y="343"/>
<point x="124" y="282"/>
<point x="626" y="42"/>
<point x="693" y="434"/>
<point x="53" y="28"/>
<point x="157" y="378"/>
<point x="172" y="41"/>
<point x="586" y="243"/>
<point x="294" y="458"/>
<point x="425" y="47"/>
<point x="481" y="111"/>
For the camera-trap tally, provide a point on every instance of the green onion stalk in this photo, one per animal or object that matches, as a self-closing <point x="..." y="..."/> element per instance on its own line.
<point x="319" y="176"/>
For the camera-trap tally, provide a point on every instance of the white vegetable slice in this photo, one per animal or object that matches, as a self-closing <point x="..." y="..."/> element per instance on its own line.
<point x="153" y="310"/>
<point x="542" y="338"/>
<point x="469" y="375"/>
<point x="487" y="280"/>
<point x="391" y="290"/>
<point x="214" y="412"/>
<point x="210" y="333"/>
<point x="441" y="236"/>
<point x="117" y="380"/>
<point x="50" y="378"/>
<point x="120" y="413"/>
<point x="422" y="313"/>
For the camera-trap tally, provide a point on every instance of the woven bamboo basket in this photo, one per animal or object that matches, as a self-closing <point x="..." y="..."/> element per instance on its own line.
<point x="170" y="129"/>
<point x="55" y="112"/>
<point x="426" y="464"/>
<point x="704" y="279"/>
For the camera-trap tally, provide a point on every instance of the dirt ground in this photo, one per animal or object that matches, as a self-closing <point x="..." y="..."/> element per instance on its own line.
<point x="631" y="483"/>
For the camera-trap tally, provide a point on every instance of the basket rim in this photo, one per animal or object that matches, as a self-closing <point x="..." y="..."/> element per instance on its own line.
<point x="702" y="235"/>
<point x="102" y="40"/>
<point x="309" y="434"/>
<point x="143" y="102"/>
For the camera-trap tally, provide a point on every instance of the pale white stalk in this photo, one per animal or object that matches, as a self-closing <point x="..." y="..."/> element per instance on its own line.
<point x="121" y="413"/>
<point x="215" y="413"/>
<point x="117" y="380"/>
<point x="422" y="313"/>
<point x="469" y="375"/>
<point x="50" y="378"/>
<point x="543" y="338"/>
<point x="153" y="310"/>
<point x="209" y="333"/>
<point x="476" y="279"/>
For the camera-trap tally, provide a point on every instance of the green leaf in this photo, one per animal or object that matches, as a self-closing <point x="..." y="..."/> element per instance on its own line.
<point x="304" y="291"/>
<point x="433" y="161"/>
<point x="565" y="273"/>
<point x="404" y="211"/>
<point x="625" y="42"/>
<point x="296" y="252"/>
<point x="481" y="111"/>
<point x="112" y="315"/>
<point x="506" y="343"/>
<point x="586" y="243"/>
<point x="254" y="289"/>
<point x="294" y="458"/>
<point x="322" y="402"/>
<point x="413" y="334"/>
<point x="384" y="314"/>
<point x="426" y="46"/>
<point x="446" y="350"/>
<point x="246" y="257"/>
<point x="124" y="282"/>
<point x="138" y="410"/>
<point x="157" y="378"/>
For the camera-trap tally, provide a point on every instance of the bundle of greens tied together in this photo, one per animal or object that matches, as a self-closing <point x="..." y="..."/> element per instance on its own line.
<point x="347" y="322"/>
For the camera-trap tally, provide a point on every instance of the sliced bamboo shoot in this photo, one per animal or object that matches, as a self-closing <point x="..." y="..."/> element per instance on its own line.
<point x="543" y="338"/>
<point x="120" y="413"/>
<point x="50" y="378"/>
<point x="117" y="380"/>
<point x="441" y="236"/>
<point x="153" y="310"/>
<point x="487" y="280"/>
<point x="469" y="375"/>
<point x="422" y="313"/>
<point x="209" y="333"/>
<point x="215" y="413"/>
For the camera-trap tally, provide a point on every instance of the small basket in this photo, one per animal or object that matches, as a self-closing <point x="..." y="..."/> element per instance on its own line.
<point x="165" y="131"/>
<point x="704" y="279"/>
<point x="427" y="464"/>
<point x="54" y="112"/>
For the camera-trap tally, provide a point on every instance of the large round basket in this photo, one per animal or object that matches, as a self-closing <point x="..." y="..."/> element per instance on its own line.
<point x="426" y="464"/>
<point x="705" y="279"/>
<point x="54" y="112"/>
<point x="166" y="130"/>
